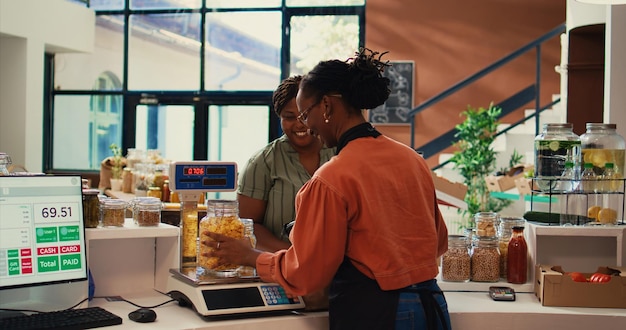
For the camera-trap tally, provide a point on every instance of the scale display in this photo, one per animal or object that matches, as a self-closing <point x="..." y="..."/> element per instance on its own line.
<point x="203" y="176"/>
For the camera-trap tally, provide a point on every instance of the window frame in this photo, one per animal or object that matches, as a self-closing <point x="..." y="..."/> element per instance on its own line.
<point x="199" y="98"/>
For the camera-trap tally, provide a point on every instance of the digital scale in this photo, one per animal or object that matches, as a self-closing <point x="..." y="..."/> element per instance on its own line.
<point x="219" y="297"/>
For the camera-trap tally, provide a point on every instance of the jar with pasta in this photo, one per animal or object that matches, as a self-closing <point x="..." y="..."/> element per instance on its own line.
<point x="455" y="263"/>
<point x="485" y="260"/>
<point x="486" y="223"/>
<point x="222" y="218"/>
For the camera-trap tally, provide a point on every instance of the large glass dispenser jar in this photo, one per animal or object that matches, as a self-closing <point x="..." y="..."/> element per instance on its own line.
<point x="600" y="145"/>
<point x="222" y="218"/>
<point x="456" y="262"/>
<point x="556" y="144"/>
<point x="485" y="260"/>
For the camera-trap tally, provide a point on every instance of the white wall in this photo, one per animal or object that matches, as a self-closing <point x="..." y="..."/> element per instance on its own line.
<point x="581" y="14"/>
<point x="28" y="29"/>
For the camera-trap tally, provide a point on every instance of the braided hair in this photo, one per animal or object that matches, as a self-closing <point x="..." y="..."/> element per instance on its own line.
<point x="285" y="92"/>
<point x="359" y="80"/>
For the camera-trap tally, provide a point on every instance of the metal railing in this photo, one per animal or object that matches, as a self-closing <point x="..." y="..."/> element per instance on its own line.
<point x="512" y="103"/>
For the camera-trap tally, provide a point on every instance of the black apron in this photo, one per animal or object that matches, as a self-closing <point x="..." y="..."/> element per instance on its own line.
<point x="357" y="302"/>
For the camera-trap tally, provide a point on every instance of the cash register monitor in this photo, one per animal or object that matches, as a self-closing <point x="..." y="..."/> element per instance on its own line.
<point x="43" y="264"/>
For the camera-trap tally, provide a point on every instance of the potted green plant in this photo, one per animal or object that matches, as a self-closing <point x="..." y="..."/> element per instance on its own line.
<point x="475" y="159"/>
<point x="117" y="166"/>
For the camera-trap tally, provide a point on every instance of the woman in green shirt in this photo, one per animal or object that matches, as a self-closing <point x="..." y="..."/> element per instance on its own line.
<point x="272" y="177"/>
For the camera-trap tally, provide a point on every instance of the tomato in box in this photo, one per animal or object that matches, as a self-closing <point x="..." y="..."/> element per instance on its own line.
<point x="577" y="277"/>
<point x="599" y="278"/>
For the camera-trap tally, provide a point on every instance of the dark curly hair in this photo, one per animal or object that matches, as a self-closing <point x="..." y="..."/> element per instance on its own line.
<point x="359" y="80"/>
<point x="285" y="92"/>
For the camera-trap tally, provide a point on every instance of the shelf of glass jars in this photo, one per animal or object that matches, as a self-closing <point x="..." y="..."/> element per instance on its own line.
<point x="131" y="230"/>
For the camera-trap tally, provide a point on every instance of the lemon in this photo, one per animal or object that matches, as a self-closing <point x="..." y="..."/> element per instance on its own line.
<point x="592" y="212"/>
<point x="607" y="215"/>
<point x="554" y="145"/>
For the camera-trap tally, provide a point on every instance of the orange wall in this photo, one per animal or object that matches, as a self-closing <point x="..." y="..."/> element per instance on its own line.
<point x="450" y="40"/>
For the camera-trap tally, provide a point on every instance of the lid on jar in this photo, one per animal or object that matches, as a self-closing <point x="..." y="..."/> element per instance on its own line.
<point x="91" y="191"/>
<point x="558" y="125"/>
<point x="600" y="126"/>
<point x="142" y="200"/>
<point x="113" y="203"/>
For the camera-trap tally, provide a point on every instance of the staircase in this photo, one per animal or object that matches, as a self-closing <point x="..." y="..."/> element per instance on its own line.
<point x="518" y="136"/>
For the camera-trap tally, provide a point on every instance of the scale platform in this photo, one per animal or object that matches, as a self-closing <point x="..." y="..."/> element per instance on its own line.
<point x="222" y="297"/>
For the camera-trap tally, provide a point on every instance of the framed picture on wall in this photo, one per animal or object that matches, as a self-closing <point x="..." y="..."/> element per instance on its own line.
<point x="395" y="111"/>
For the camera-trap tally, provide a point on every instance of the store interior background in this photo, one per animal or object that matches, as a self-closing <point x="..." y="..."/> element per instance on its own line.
<point x="446" y="40"/>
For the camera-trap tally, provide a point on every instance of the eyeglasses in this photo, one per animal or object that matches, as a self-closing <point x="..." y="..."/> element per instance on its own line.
<point x="305" y="114"/>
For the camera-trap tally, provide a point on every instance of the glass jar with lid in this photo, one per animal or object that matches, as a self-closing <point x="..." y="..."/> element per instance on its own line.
<point x="485" y="260"/>
<point x="486" y="223"/>
<point x="147" y="211"/>
<point x="5" y="162"/>
<point x="456" y="262"/>
<point x="556" y="144"/>
<point x="112" y="212"/>
<point x="602" y="144"/>
<point x="248" y="224"/>
<point x="505" y="230"/>
<point x="91" y="207"/>
<point x="223" y="218"/>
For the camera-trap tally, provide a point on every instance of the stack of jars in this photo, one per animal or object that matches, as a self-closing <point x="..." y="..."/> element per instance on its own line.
<point x="485" y="255"/>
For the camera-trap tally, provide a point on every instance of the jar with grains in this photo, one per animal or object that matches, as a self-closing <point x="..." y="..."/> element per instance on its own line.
<point x="248" y="224"/>
<point x="91" y="208"/>
<point x="486" y="223"/>
<point x="555" y="145"/>
<point x="505" y="229"/>
<point x="485" y="260"/>
<point x="147" y="212"/>
<point x="112" y="212"/>
<point x="456" y="262"/>
<point x="223" y="218"/>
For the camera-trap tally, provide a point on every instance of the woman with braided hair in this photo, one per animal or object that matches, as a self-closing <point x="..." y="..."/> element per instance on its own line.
<point x="367" y="222"/>
<point x="268" y="185"/>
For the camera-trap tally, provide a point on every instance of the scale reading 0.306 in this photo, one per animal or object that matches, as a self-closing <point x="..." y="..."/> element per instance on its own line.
<point x="203" y="176"/>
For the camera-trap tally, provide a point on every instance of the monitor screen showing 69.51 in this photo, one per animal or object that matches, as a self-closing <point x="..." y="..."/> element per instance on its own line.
<point x="42" y="242"/>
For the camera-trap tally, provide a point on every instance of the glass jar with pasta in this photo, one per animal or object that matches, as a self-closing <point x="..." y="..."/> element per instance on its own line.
<point x="222" y="218"/>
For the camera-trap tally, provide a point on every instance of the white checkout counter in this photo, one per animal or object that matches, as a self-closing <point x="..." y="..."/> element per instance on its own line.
<point x="134" y="262"/>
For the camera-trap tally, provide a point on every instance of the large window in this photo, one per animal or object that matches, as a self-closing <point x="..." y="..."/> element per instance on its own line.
<point x="192" y="79"/>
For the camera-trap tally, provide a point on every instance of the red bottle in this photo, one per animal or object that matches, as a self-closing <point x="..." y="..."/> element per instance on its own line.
<point x="517" y="259"/>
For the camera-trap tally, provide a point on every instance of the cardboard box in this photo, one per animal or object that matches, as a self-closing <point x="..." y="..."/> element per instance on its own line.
<point x="507" y="181"/>
<point x="554" y="288"/>
<point x="452" y="193"/>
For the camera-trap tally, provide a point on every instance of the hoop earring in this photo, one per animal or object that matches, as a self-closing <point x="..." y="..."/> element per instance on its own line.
<point x="326" y="118"/>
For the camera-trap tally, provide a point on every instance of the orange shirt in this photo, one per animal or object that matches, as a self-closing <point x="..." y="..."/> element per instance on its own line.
<point x="373" y="203"/>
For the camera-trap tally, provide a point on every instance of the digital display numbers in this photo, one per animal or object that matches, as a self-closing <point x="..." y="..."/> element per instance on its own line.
<point x="202" y="170"/>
